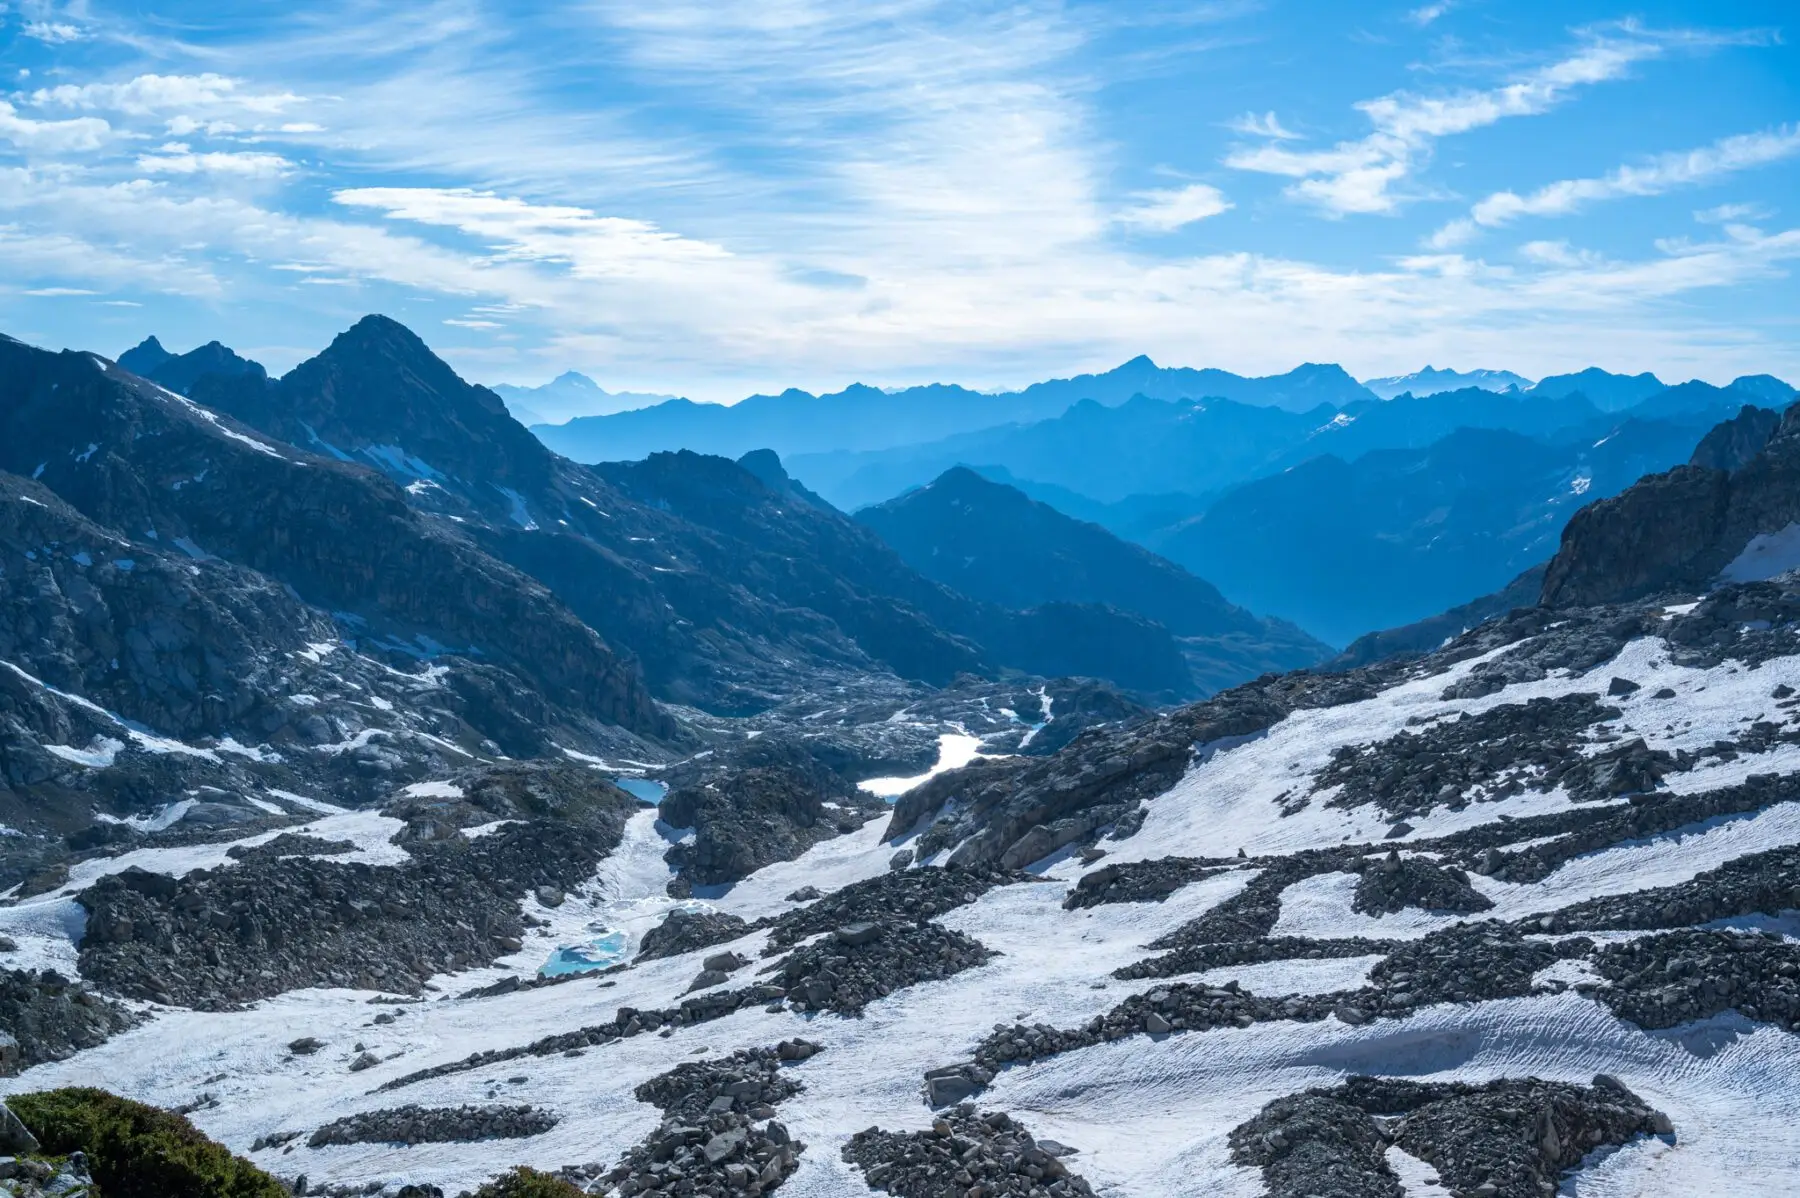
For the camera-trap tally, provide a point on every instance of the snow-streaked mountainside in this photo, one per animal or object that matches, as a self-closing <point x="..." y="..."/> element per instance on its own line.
<point x="403" y="804"/>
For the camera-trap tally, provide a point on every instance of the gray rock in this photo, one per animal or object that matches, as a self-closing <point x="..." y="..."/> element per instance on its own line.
<point x="949" y="1090"/>
<point x="857" y="934"/>
<point x="15" y="1138"/>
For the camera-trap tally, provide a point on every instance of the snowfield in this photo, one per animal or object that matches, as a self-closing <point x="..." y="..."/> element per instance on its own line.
<point x="1148" y="1114"/>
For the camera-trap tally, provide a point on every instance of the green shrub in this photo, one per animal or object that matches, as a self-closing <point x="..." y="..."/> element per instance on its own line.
<point x="138" y="1151"/>
<point x="527" y="1183"/>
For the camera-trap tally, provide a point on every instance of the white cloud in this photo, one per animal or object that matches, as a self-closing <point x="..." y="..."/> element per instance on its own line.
<point x="1730" y="213"/>
<point x="1426" y="14"/>
<point x="179" y="160"/>
<point x="146" y="95"/>
<point x="1557" y="253"/>
<point x="1266" y="125"/>
<point x="472" y="324"/>
<point x="81" y="133"/>
<point x="1663" y="173"/>
<point x="52" y="32"/>
<point x="1359" y="176"/>
<point x="591" y="246"/>
<point x="58" y="291"/>
<point x="1166" y="210"/>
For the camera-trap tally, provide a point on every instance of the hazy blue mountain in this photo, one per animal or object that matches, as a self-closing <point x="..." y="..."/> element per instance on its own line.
<point x="993" y="542"/>
<point x="858" y="417"/>
<point x="568" y="395"/>
<point x="1105" y="453"/>
<point x="1695" y="402"/>
<point x="1431" y="380"/>
<point x="1299" y="390"/>
<point x="1607" y="391"/>
<point x="1108" y="455"/>
<point x="1766" y="388"/>
<point x="1344" y="548"/>
<point x="1141" y="519"/>
<point x="862" y="418"/>
<point x="179" y="372"/>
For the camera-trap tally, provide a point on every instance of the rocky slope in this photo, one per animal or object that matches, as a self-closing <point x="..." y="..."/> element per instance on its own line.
<point x="1730" y="512"/>
<point x="199" y="622"/>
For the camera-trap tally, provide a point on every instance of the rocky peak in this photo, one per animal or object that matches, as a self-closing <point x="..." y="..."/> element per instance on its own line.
<point x="379" y="395"/>
<point x="182" y="372"/>
<point x="144" y="357"/>
<point x="765" y="465"/>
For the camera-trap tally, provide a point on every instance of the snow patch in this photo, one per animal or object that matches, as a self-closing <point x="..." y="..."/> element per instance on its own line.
<point x="1767" y="554"/>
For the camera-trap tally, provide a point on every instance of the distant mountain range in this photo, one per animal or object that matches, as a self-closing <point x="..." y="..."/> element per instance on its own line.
<point x="862" y="418"/>
<point x="1152" y="447"/>
<point x="1431" y="380"/>
<point x="569" y="395"/>
<point x="729" y="583"/>
<point x="1303" y="496"/>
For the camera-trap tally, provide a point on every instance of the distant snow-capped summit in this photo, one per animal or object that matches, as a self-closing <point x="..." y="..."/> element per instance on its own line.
<point x="570" y="394"/>
<point x="1431" y="381"/>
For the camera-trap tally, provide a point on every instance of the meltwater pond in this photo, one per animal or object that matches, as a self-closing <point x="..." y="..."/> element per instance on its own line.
<point x="644" y="790"/>
<point x="608" y="948"/>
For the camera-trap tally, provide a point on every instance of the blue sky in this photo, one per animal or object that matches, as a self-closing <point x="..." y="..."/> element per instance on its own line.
<point x="715" y="198"/>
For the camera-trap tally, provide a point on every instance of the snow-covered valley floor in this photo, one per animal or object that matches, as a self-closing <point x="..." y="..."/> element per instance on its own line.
<point x="1149" y="1115"/>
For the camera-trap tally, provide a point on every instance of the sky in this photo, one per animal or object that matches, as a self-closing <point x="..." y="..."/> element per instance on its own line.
<point x="717" y="198"/>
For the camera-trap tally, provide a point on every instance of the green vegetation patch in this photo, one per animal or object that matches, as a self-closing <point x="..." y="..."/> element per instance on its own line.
<point x="527" y="1183"/>
<point x="139" y="1151"/>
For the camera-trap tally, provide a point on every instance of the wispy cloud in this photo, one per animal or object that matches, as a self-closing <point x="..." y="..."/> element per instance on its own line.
<point x="53" y="32"/>
<point x="1266" y="125"/>
<point x="1664" y="173"/>
<point x="1359" y="176"/>
<point x="589" y="245"/>
<point x="694" y="194"/>
<point x="1166" y="210"/>
<point x="1721" y="214"/>
<point x="1427" y="13"/>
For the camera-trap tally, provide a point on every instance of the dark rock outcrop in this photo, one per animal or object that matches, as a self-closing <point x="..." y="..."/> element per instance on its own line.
<point x="766" y="803"/>
<point x="964" y="1152"/>
<point x="1511" y="1138"/>
<point x="435" y="1125"/>
<point x="46" y="1017"/>
<point x="1680" y="529"/>
<point x="217" y="938"/>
